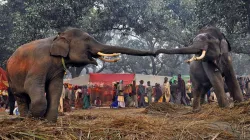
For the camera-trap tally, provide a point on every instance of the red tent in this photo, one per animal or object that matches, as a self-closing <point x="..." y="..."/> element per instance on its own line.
<point x="102" y="85"/>
<point x="3" y="80"/>
<point x="108" y="79"/>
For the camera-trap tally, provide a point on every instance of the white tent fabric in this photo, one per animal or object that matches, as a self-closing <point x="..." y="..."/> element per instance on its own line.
<point x="152" y="78"/>
<point x="80" y="81"/>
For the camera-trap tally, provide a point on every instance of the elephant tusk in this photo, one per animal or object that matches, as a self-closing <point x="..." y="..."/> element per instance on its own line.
<point x="106" y="60"/>
<point x="103" y="54"/>
<point x="197" y="58"/>
<point x="202" y="56"/>
<point x="190" y="60"/>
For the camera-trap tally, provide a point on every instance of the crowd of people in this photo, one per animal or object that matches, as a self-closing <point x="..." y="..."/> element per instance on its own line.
<point x="132" y="95"/>
<point x="244" y="83"/>
<point x="175" y="91"/>
<point x="76" y="98"/>
<point x="140" y="96"/>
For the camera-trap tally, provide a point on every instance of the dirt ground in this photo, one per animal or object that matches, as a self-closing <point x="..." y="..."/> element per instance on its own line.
<point x="158" y="121"/>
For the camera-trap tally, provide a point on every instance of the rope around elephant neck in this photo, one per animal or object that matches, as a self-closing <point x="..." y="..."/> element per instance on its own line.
<point x="64" y="66"/>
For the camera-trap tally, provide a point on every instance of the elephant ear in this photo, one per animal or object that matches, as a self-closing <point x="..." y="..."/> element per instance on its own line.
<point x="59" y="47"/>
<point x="225" y="46"/>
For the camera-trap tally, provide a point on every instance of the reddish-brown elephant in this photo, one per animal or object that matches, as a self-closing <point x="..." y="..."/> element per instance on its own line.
<point x="37" y="68"/>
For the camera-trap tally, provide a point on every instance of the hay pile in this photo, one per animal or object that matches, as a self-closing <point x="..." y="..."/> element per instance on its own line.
<point x="165" y="108"/>
<point x="80" y="126"/>
<point x="164" y="121"/>
<point x="210" y="123"/>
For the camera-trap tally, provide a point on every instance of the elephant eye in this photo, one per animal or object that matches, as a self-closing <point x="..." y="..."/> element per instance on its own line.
<point x="86" y="39"/>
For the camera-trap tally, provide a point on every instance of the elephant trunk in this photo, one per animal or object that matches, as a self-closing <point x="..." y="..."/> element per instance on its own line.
<point x="102" y="51"/>
<point x="107" y="49"/>
<point x="186" y="50"/>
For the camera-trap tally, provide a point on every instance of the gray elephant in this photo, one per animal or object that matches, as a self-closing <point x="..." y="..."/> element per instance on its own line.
<point x="36" y="69"/>
<point x="212" y="62"/>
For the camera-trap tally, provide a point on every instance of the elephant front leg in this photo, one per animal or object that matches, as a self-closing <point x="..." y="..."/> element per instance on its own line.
<point x="38" y="101"/>
<point x="197" y="93"/>
<point x="197" y="99"/>
<point x="53" y="94"/>
<point x="34" y="86"/>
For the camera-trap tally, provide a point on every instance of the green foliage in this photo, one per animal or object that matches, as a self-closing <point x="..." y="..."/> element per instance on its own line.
<point x="139" y="24"/>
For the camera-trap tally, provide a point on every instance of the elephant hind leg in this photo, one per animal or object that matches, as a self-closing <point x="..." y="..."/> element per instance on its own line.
<point x="217" y="82"/>
<point x="221" y="95"/>
<point x="232" y="83"/>
<point x="234" y="89"/>
<point x="23" y="101"/>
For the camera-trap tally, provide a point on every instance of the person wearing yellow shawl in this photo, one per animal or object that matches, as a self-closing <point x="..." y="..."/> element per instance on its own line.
<point x="165" y="91"/>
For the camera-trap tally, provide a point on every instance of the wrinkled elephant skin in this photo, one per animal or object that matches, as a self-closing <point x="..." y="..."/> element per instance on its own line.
<point x="36" y="68"/>
<point x="212" y="62"/>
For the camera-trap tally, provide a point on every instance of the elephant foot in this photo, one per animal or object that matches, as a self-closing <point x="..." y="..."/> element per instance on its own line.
<point x="37" y="114"/>
<point x="238" y="99"/>
<point x="196" y="110"/>
<point x="224" y="106"/>
<point x="17" y="119"/>
<point x="51" y="117"/>
<point x="24" y="115"/>
<point x="34" y="117"/>
<point x="51" y="120"/>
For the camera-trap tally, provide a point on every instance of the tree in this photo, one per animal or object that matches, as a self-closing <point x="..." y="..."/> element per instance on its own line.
<point x="235" y="23"/>
<point x="24" y="21"/>
<point x="140" y="24"/>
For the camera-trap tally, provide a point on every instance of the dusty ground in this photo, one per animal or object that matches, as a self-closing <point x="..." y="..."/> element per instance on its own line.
<point x="159" y="121"/>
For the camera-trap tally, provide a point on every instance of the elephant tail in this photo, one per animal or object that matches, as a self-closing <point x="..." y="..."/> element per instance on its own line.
<point x="7" y="74"/>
